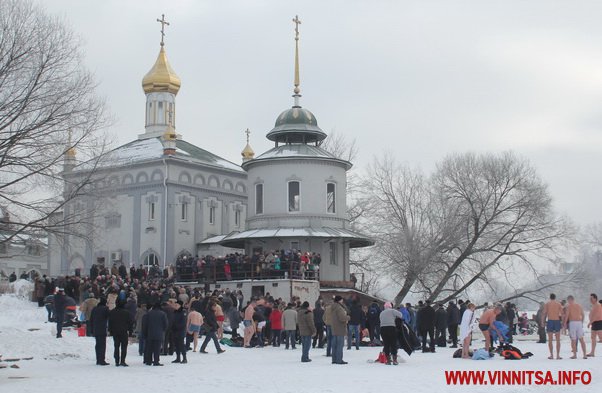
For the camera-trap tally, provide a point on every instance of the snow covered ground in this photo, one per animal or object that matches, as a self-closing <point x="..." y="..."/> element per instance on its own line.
<point x="68" y="365"/>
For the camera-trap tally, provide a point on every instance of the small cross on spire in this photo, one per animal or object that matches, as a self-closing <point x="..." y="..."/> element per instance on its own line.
<point x="248" y="134"/>
<point x="297" y="22"/>
<point x="163" y="23"/>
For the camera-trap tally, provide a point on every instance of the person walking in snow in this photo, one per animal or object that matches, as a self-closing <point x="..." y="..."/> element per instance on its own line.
<point x="178" y="332"/>
<point x="211" y="327"/>
<point x="153" y="328"/>
<point x="339" y="329"/>
<point x="60" y="302"/>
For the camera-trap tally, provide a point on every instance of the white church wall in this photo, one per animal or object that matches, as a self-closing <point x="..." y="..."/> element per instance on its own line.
<point x="151" y="224"/>
<point x="184" y="214"/>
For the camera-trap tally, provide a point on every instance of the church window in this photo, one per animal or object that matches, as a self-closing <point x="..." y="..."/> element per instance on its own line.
<point x="237" y="218"/>
<point x="295" y="245"/>
<point x="34" y="250"/>
<point x="294" y="196"/>
<point x="113" y="221"/>
<point x="150" y="260"/>
<point x="212" y="215"/>
<point x="333" y="253"/>
<point x="259" y="199"/>
<point x="184" y="212"/>
<point x="161" y="119"/>
<point x="331" y="198"/>
<point x="3" y="248"/>
<point x="151" y="210"/>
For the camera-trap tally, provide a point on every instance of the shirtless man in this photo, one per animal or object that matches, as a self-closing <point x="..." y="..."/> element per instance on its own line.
<point x="487" y="323"/>
<point x="553" y="312"/>
<point x="248" y="322"/>
<point x="574" y="321"/>
<point x="595" y="322"/>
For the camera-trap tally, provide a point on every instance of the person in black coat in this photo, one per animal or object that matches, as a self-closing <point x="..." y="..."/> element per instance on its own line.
<point x="60" y="301"/>
<point x="154" y="326"/>
<point x="426" y="325"/>
<point x="319" y="322"/>
<point x="355" y="321"/>
<point x="98" y="320"/>
<point x="210" y="325"/>
<point x="440" y="325"/>
<point x="453" y="320"/>
<point x="121" y="326"/>
<point x="178" y="332"/>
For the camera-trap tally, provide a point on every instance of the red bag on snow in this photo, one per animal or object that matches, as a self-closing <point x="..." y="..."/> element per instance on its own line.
<point x="382" y="358"/>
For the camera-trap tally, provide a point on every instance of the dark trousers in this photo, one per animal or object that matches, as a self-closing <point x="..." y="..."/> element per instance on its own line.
<point x="167" y="344"/>
<point x="59" y="317"/>
<point x="353" y="330"/>
<point x="289" y="338"/>
<point x="389" y="336"/>
<point x="276" y="336"/>
<point x="541" y="331"/>
<point x="89" y="329"/>
<point x="152" y="349"/>
<point x="328" y="340"/>
<point x="100" y="348"/>
<point x="140" y="345"/>
<point x="453" y="333"/>
<point x="179" y="346"/>
<point x="319" y="337"/>
<point x="374" y="331"/>
<point x="431" y="333"/>
<point x="120" y="341"/>
<point x="210" y="336"/>
<point x="440" y="337"/>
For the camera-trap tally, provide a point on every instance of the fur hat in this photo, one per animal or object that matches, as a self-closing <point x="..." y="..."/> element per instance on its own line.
<point x="337" y="298"/>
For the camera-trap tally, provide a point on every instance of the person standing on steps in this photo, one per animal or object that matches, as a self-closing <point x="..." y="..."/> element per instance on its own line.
<point x="388" y="332"/>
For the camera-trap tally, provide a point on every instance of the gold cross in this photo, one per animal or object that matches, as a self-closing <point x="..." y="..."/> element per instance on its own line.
<point x="163" y="23"/>
<point x="248" y="133"/>
<point x="297" y="22"/>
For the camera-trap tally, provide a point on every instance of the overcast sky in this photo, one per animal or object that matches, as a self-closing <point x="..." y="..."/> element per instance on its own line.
<point x="419" y="78"/>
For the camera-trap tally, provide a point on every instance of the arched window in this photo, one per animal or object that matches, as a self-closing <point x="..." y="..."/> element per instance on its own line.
<point x="150" y="260"/>
<point x="294" y="196"/>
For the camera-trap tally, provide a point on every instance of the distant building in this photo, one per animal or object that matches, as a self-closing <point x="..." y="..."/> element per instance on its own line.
<point x="21" y="253"/>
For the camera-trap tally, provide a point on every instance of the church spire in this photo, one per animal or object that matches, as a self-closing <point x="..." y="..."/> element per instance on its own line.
<point x="297" y="90"/>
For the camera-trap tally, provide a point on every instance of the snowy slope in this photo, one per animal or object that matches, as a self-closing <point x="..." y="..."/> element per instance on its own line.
<point x="68" y="364"/>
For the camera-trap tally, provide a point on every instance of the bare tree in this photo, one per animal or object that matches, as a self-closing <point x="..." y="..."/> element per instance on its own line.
<point x="48" y="106"/>
<point x="476" y="218"/>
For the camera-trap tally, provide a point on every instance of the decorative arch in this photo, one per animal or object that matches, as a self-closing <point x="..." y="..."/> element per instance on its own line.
<point x="127" y="179"/>
<point x="184" y="178"/>
<point x="147" y="257"/>
<point x="157" y="175"/>
<point x="77" y="262"/>
<point x="199" y="180"/>
<point x="141" y="177"/>
<point x="213" y="181"/>
<point x="240" y="187"/>
<point x="184" y="253"/>
<point x="227" y="185"/>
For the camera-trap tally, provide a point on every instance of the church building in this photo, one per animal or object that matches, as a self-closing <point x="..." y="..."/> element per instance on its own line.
<point x="154" y="198"/>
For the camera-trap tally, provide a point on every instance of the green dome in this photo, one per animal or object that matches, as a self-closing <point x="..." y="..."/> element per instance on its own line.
<point x="296" y="125"/>
<point x="296" y="115"/>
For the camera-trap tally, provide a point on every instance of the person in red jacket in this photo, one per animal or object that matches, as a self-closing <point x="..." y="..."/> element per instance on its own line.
<point x="276" y="323"/>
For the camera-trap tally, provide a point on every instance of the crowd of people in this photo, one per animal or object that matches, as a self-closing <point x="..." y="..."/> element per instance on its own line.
<point x="166" y="318"/>
<point x="272" y="264"/>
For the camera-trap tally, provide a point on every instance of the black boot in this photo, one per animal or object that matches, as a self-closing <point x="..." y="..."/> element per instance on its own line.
<point x="389" y="360"/>
<point x="395" y="360"/>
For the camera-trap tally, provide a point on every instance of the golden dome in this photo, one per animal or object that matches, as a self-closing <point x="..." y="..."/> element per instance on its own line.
<point x="161" y="77"/>
<point x="247" y="153"/>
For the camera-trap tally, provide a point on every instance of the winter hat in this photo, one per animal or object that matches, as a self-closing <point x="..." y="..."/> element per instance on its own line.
<point x="305" y="305"/>
<point x="337" y="298"/>
<point x="388" y="305"/>
<point x="103" y="301"/>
